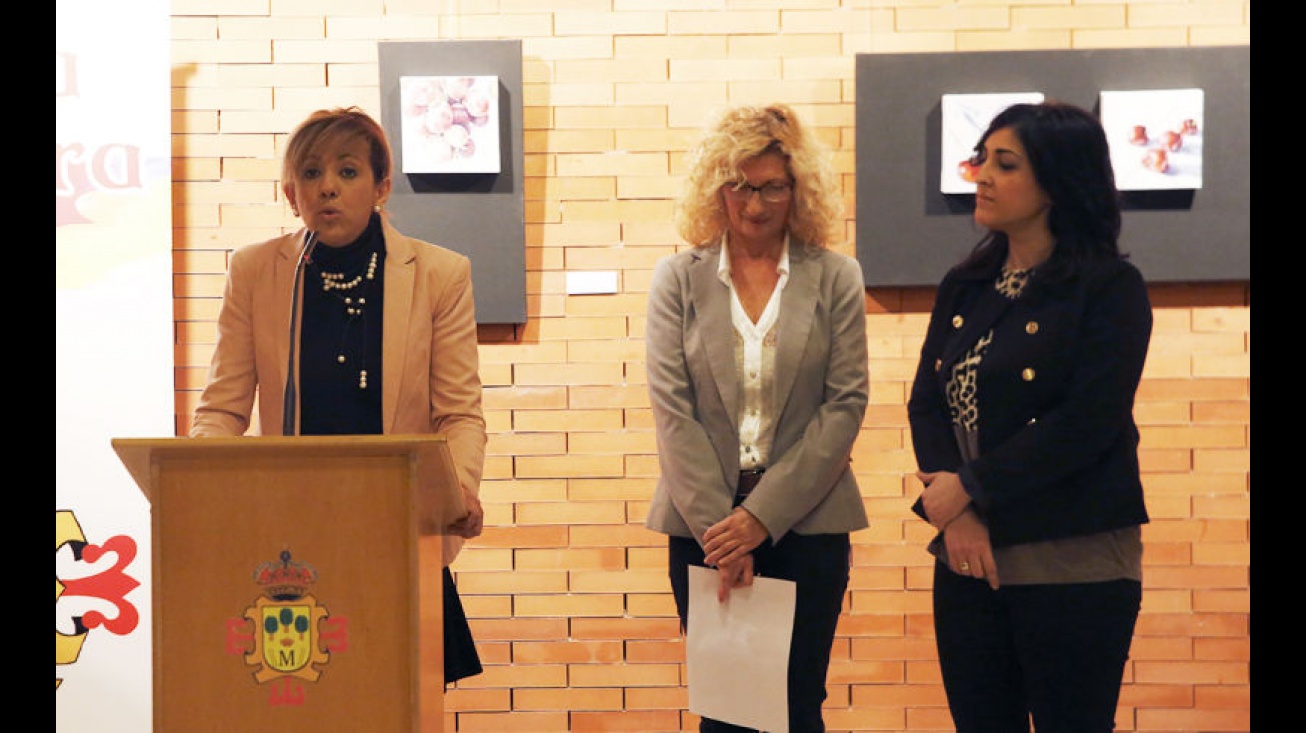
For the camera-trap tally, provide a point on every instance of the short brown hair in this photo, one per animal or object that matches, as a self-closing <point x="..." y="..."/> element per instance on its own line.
<point x="333" y="126"/>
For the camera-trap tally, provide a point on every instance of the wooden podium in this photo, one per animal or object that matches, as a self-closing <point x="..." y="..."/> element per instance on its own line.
<point x="297" y="580"/>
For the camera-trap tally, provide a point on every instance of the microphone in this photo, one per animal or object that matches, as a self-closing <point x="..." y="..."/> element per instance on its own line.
<point x="289" y="425"/>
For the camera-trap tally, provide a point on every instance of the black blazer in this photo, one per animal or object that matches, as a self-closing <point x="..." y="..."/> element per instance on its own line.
<point x="1057" y="439"/>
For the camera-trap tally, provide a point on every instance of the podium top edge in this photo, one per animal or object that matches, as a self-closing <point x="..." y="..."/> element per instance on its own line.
<point x="282" y="443"/>
<point x="142" y="456"/>
<point x="285" y="439"/>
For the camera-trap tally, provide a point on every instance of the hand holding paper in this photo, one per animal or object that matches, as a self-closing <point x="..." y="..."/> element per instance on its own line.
<point x="735" y="575"/>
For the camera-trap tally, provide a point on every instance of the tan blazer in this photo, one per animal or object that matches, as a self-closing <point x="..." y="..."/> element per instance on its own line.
<point x="429" y="321"/>
<point x="821" y="385"/>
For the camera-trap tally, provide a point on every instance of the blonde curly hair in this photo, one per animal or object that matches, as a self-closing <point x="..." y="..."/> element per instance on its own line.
<point x="739" y="135"/>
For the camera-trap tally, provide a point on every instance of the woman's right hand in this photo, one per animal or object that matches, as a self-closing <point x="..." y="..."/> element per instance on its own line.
<point x="944" y="497"/>
<point x="733" y="538"/>
<point x="969" y="551"/>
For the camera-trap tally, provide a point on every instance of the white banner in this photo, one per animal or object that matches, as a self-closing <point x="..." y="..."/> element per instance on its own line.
<point x="113" y="348"/>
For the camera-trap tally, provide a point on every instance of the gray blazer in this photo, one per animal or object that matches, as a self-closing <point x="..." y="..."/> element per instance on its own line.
<point x="821" y="388"/>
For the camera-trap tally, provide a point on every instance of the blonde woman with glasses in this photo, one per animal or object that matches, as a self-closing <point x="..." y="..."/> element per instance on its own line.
<point x="757" y="372"/>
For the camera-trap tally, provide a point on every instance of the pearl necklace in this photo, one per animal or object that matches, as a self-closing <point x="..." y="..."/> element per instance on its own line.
<point x="343" y="290"/>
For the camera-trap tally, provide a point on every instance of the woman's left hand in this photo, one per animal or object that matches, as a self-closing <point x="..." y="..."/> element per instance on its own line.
<point x="731" y="539"/>
<point x="471" y="525"/>
<point x="969" y="551"/>
<point x="734" y="575"/>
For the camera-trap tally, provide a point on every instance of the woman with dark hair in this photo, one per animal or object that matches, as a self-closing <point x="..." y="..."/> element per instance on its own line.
<point x="1022" y="423"/>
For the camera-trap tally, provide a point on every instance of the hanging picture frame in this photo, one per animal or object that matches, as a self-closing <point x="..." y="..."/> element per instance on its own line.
<point x="1156" y="137"/>
<point x="965" y="118"/>
<point x="450" y="124"/>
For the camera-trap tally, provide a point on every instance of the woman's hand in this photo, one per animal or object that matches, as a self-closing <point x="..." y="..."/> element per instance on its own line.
<point x="969" y="550"/>
<point x="734" y="575"/>
<point x="733" y="538"/>
<point x="944" y="497"/>
<point x="471" y="525"/>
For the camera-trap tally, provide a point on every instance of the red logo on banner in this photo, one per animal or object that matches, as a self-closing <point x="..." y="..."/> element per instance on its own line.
<point x="111" y="585"/>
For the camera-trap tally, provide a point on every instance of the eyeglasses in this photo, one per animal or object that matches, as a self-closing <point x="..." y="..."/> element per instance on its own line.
<point x="773" y="192"/>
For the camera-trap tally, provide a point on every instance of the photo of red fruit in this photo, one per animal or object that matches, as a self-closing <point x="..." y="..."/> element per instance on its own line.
<point x="1154" y="139"/>
<point x="967" y="170"/>
<point x="963" y="119"/>
<point x="1157" y="160"/>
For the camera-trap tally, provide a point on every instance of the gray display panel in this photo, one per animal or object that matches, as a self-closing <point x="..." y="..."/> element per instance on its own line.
<point x="909" y="233"/>
<point x="481" y="215"/>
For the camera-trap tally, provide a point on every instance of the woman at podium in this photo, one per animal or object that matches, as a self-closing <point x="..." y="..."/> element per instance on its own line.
<point x="382" y="326"/>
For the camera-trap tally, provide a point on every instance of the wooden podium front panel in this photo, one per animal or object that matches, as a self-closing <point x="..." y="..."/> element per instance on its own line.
<point x="216" y="524"/>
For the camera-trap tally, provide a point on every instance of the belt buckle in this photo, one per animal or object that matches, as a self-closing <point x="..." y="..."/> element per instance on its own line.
<point x="747" y="481"/>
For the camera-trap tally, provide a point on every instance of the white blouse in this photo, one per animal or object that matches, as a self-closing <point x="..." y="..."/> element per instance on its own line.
<point x="755" y="359"/>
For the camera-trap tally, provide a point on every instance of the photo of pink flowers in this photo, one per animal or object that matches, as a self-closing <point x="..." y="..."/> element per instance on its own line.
<point x="450" y="124"/>
<point x="1156" y="138"/>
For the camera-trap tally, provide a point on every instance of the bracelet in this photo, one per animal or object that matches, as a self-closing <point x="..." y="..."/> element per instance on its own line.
<point x="950" y="521"/>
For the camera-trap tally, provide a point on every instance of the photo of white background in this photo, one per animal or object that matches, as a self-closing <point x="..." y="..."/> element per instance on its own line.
<point x="450" y="124"/>
<point x="965" y="118"/>
<point x="1156" y="138"/>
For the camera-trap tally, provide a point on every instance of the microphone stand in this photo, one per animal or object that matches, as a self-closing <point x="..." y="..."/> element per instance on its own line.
<point x="289" y="425"/>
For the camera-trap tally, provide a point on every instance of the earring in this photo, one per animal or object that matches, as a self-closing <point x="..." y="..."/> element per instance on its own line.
<point x="377" y="208"/>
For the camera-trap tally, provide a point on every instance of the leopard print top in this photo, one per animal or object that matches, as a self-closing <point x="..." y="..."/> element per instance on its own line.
<point x="962" y="402"/>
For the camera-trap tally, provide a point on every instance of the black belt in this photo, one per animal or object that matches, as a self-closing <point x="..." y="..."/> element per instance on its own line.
<point x="748" y="481"/>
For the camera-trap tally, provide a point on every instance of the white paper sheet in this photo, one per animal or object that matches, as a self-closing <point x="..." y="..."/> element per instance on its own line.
<point x="737" y="652"/>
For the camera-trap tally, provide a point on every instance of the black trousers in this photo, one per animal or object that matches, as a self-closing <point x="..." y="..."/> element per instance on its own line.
<point x="1053" y="652"/>
<point x="819" y="564"/>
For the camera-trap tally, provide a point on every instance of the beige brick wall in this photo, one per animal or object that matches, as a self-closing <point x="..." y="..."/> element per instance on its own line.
<point x="566" y="589"/>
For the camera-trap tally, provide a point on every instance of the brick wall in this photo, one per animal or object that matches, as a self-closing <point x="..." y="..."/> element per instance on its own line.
<point x="566" y="589"/>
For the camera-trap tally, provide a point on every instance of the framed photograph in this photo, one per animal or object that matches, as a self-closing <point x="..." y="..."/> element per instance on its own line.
<point x="450" y="124"/>
<point x="965" y="118"/>
<point x="1155" y="137"/>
